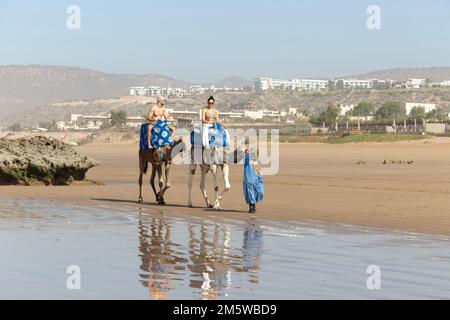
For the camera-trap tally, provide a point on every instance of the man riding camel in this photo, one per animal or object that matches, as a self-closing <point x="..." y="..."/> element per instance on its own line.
<point x="158" y="112"/>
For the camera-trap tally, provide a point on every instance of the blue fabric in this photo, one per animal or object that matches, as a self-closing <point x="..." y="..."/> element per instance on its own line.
<point x="217" y="136"/>
<point x="196" y="136"/>
<point x="252" y="248"/>
<point x="143" y="143"/>
<point x="161" y="135"/>
<point x="253" y="183"/>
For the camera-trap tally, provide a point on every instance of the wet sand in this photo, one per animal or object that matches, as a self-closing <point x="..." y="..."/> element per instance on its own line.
<point x="315" y="182"/>
<point x="130" y="253"/>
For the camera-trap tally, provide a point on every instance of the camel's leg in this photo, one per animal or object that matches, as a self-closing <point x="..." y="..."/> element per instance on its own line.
<point x="216" y="186"/>
<point x="226" y="179"/>
<point x="204" y="170"/>
<point x="140" y="200"/>
<point x="141" y="173"/>
<point x="192" y="169"/>
<point x="168" y="183"/>
<point x="161" y="183"/>
<point x="152" y="181"/>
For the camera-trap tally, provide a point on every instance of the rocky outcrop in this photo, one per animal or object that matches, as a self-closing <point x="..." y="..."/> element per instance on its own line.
<point x="41" y="161"/>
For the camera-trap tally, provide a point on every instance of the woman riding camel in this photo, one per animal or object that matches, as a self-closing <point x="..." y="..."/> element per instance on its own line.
<point x="210" y="116"/>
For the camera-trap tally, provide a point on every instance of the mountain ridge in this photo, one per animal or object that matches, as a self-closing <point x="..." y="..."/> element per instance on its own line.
<point x="25" y="87"/>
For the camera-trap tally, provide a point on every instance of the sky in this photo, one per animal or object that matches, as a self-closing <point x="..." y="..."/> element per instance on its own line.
<point x="206" y="41"/>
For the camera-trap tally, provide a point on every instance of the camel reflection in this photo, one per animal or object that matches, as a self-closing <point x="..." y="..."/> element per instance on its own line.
<point x="159" y="261"/>
<point x="209" y="259"/>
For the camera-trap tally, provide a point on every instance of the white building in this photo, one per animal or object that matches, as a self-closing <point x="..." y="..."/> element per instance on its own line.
<point x="264" y="84"/>
<point x="427" y="106"/>
<point x="445" y="83"/>
<point x="345" y="109"/>
<point x="315" y="85"/>
<point x="262" y="113"/>
<point x="154" y="91"/>
<point x="197" y="90"/>
<point x="293" y="112"/>
<point x="75" y="117"/>
<point x="138" y="91"/>
<point x="415" y="83"/>
<point x="355" y="84"/>
<point x="255" y="115"/>
<point x="284" y="84"/>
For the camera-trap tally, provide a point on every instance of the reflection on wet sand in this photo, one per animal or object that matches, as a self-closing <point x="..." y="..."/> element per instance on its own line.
<point x="208" y="260"/>
<point x="159" y="260"/>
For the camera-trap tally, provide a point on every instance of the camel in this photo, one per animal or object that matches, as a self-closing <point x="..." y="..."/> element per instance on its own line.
<point x="158" y="158"/>
<point x="212" y="163"/>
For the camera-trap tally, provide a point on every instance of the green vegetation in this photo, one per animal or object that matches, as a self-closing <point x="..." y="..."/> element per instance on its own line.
<point x="391" y="110"/>
<point x="438" y="115"/>
<point x="118" y="118"/>
<point x="376" y="138"/>
<point x="418" y="113"/>
<point x="329" y="116"/>
<point x="304" y="139"/>
<point x="364" y="109"/>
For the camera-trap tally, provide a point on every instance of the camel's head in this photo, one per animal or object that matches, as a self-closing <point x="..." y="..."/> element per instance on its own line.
<point x="179" y="146"/>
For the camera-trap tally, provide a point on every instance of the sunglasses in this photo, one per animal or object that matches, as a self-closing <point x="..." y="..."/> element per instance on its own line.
<point x="210" y="103"/>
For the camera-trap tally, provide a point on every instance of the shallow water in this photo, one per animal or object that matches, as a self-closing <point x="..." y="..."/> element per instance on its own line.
<point x="144" y="254"/>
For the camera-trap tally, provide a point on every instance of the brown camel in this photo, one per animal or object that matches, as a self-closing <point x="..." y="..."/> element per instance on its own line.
<point x="158" y="158"/>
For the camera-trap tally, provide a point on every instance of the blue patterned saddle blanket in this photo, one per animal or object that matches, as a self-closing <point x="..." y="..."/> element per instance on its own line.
<point x="160" y="136"/>
<point x="217" y="136"/>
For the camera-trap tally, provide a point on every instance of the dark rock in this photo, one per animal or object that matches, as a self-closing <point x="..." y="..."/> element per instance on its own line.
<point x="41" y="161"/>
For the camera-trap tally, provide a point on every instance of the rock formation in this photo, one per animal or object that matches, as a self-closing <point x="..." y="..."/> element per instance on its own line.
<point x="41" y="161"/>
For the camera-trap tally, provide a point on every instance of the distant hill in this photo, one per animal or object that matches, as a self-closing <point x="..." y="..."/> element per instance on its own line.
<point x="23" y="87"/>
<point x="432" y="73"/>
<point x="314" y="102"/>
<point x="232" y="82"/>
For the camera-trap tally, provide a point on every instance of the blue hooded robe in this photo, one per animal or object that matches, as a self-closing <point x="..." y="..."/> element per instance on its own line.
<point x="253" y="182"/>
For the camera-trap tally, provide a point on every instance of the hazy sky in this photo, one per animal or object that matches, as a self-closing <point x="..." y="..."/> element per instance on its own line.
<point x="209" y="40"/>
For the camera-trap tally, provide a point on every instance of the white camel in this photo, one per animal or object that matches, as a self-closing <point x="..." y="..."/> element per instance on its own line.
<point x="211" y="159"/>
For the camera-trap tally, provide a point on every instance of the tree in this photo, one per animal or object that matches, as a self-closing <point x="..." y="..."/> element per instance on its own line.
<point x="118" y="118"/>
<point x="417" y="113"/>
<point x="391" y="110"/>
<point x="105" y="125"/>
<point x="438" y="114"/>
<point x="304" y="112"/>
<point x="330" y="115"/>
<point x="364" y="109"/>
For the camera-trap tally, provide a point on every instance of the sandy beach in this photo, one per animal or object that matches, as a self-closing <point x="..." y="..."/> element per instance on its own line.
<point x="345" y="183"/>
